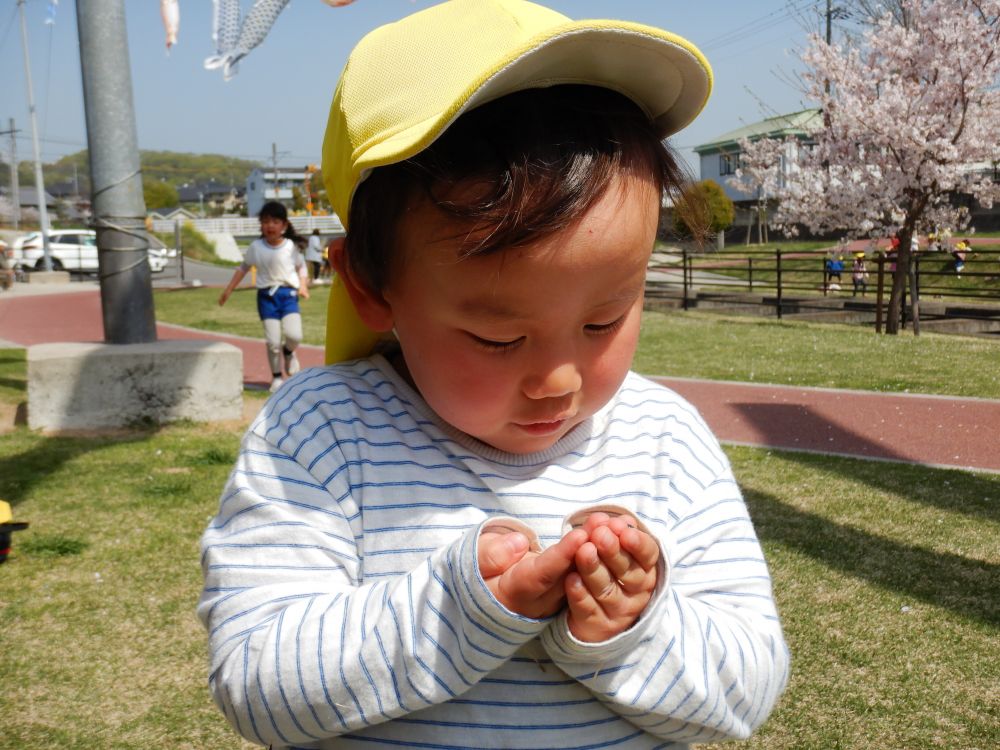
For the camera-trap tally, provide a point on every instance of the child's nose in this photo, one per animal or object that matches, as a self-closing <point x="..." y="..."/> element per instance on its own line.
<point x="561" y="379"/>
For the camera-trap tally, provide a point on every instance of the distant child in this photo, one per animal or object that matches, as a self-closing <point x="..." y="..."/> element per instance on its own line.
<point x="281" y="280"/>
<point x="314" y="255"/>
<point x="493" y="534"/>
<point x="959" y="254"/>
<point x="859" y="274"/>
<point x="834" y="270"/>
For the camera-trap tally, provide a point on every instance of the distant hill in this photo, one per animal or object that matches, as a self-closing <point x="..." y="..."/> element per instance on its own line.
<point x="169" y="166"/>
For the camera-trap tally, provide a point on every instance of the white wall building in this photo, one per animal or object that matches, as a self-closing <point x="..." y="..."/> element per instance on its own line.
<point x="720" y="158"/>
<point x="264" y="184"/>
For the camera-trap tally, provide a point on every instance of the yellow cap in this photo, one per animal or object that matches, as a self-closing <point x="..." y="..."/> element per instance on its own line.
<point x="406" y="82"/>
<point x="5" y="515"/>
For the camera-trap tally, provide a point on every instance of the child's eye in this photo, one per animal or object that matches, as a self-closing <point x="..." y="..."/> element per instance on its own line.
<point x="496" y="346"/>
<point x="604" y="328"/>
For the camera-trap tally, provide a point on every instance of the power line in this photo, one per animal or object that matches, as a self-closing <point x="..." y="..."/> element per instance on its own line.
<point x="758" y="25"/>
<point x="10" y="25"/>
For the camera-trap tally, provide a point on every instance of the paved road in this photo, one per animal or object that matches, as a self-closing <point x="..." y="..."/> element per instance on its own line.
<point x="932" y="430"/>
<point x="206" y="274"/>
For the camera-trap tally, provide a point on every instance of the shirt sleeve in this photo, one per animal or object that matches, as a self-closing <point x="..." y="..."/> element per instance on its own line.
<point x="707" y="658"/>
<point x="249" y="258"/>
<point x="300" y="647"/>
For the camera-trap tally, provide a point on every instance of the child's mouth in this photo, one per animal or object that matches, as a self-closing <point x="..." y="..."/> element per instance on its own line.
<point x="543" y="428"/>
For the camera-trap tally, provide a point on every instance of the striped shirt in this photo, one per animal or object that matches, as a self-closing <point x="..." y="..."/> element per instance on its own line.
<point x="345" y="610"/>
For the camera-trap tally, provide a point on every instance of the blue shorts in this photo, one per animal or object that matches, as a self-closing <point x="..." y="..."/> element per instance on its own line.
<point x="284" y="301"/>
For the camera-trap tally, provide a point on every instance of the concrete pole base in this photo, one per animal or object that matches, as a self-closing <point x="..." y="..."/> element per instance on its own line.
<point x="86" y="386"/>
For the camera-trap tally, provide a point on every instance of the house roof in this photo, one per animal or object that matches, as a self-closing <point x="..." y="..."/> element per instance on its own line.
<point x="29" y="196"/>
<point x="61" y="189"/>
<point x="796" y="123"/>
<point x="210" y="189"/>
<point x="172" y="213"/>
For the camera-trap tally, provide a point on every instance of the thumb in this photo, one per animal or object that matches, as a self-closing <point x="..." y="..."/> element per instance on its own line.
<point x="496" y="552"/>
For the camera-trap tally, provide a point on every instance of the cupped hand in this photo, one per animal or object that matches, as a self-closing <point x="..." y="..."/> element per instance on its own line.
<point x="614" y="578"/>
<point x="527" y="583"/>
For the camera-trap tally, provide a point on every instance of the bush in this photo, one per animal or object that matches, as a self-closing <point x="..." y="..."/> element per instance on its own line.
<point x="193" y="242"/>
<point x="704" y="210"/>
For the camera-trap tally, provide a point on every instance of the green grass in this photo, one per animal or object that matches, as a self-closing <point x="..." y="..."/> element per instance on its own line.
<point x="706" y="345"/>
<point x="728" y="347"/>
<point x="194" y="244"/>
<point x="199" y="308"/>
<point x="886" y="576"/>
<point x="13" y="376"/>
<point x="101" y="645"/>
<point x="888" y="581"/>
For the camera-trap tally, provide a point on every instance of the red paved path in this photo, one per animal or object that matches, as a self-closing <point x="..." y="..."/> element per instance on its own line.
<point x="930" y="430"/>
<point x="76" y="316"/>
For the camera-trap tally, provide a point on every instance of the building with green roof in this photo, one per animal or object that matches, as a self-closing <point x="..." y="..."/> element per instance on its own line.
<point x="720" y="157"/>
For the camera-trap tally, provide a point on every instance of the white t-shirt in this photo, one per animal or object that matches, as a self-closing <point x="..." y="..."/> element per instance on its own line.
<point x="276" y="266"/>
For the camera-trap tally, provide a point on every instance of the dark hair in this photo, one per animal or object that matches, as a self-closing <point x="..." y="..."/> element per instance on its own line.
<point x="277" y="210"/>
<point x="538" y="160"/>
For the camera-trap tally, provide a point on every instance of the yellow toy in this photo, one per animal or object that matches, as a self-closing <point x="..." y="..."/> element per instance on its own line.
<point x="7" y="525"/>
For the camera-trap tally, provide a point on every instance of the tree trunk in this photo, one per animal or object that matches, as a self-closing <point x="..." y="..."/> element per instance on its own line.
<point x="900" y="278"/>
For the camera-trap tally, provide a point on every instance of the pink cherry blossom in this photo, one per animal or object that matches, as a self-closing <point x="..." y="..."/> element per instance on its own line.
<point x="911" y="119"/>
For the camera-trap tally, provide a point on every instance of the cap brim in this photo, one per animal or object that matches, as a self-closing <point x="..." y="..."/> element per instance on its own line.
<point x="664" y="74"/>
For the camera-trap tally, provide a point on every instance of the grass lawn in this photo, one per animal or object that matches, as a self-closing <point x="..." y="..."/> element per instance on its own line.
<point x="829" y="355"/>
<point x="729" y="347"/>
<point x="199" y="308"/>
<point x="887" y="575"/>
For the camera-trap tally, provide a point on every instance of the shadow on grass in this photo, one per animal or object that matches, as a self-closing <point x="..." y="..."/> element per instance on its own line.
<point x="799" y="428"/>
<point x="970" y="588"/>
<point x="15" y="384"/>
<point x="20" y="473"/>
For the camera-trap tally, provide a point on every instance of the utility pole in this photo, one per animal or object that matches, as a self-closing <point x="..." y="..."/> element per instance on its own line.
<point x="829" y="37"/>
<point x="115" y="174"/>
<point x="43" y="210"/>
<point x="274" y="166"/>
<point x="15" y="187"/>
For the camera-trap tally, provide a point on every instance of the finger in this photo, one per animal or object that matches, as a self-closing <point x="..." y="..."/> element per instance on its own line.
<point x="618" y="561"/>
<point x="618" y="524"/>
<point x="583" y="607"/>
<point x="641" y="546"/>
<point x="596" y="576"/>
<point x="586" y="619"/>
<point x="548" y="569"/>
<point x="497" y="552"/>
<point x="632" y="574"/>
<point x="595" y="520"/>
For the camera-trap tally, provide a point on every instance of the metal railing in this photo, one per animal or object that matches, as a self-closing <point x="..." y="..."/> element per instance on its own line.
<point x="801" y="283"/>
<point x="244" y="227"/>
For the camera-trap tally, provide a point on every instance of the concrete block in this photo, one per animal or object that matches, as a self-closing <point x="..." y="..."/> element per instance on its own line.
<point x="79" y="386"/>
<point x="47" y="277"/>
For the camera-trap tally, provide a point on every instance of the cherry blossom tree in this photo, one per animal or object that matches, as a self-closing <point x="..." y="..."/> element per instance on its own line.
<point x="910" y="120"/>
<point x="759" y="173"/>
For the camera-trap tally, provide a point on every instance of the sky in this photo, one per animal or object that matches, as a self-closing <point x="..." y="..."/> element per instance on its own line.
<point x="283" y="90"/>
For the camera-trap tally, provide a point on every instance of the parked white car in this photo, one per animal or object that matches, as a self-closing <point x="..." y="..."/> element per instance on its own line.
<point x="72" y="250"/>
<point x="158" y="258"/>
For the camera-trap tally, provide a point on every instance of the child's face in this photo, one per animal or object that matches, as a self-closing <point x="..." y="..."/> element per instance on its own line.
<point x="517" y="348"/>
<point x="273" y="229"/>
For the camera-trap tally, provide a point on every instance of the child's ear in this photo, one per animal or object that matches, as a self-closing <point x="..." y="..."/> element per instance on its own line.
<point x="371" y="306"/>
